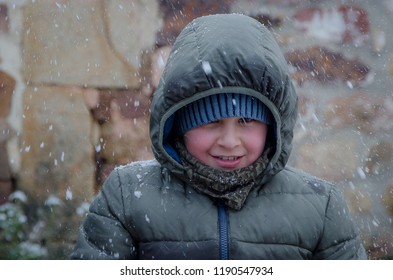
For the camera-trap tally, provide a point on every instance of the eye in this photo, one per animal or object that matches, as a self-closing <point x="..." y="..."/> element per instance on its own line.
<point x="245" y="120"/>
<point x="211" y="124"/>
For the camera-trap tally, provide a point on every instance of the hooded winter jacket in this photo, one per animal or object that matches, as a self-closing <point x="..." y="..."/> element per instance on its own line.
<point x="150" y="210"/>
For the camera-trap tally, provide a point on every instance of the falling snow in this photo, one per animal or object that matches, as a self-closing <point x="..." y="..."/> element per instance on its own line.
<point x="69" y="194"/>
<point x="138" y="194"/>
<point x="206" y="67"/>
<point x="53" y="200"/>
<point x="18" y="196"/>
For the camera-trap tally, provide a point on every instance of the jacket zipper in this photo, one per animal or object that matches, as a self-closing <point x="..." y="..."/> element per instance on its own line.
<point x="223" y="232"/>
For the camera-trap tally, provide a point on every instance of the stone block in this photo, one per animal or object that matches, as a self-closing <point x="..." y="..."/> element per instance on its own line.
<point x="359" y="200"/>
<point x="6" y="131"/>
<point x="125" y="139"/>
<point x="131" y="103"/>
<point x="158" y="61"/>
<point x="340" y="24"/>
<point x="133" y="25"/>
<point x="3" y="18"/>
<point x="56" y="151"/>
<point x="387" y="198"/>
<point x="7" y="86"/>
<point x="180" y="12"/>
<point x="335" y="158"/>
<point x="364" y="112"/>
<point x="380" y="158"/>
<point x="103" y="171"/>
<point x="391" y="64"/>
<point x="6" y="188"/>
<point x="324" y="65"/>
<point x="6" y="182"/>
<point x="5" y="174"/>
<point x="92" y="43"/>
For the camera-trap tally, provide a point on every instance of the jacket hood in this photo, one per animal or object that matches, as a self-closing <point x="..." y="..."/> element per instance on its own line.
<point x="221" y="54"/>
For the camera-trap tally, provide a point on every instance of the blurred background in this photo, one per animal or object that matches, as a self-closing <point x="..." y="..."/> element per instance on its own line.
<point x="76" y="80"/>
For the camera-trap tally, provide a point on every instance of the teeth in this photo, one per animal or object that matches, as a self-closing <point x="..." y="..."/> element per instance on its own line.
<point x="228" y="158"/>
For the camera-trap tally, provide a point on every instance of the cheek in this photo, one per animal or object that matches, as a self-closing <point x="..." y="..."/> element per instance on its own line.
<point x="255" y="141"/>
<point x="197" y="142"/>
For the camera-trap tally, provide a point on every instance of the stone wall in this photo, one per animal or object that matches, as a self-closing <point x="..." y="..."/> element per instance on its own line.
<point x="76" y="79"/>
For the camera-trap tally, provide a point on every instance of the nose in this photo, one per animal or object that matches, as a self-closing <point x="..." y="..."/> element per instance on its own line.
<point x="229" y="137"/>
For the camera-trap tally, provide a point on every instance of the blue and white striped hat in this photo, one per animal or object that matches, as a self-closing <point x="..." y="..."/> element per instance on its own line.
<point x="219" y="106"/>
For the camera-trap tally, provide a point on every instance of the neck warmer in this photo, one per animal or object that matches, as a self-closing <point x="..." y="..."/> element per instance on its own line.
<point x="230" y="187"/>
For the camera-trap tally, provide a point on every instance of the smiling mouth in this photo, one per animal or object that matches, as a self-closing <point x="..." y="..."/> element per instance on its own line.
<point x="231" y="158"/>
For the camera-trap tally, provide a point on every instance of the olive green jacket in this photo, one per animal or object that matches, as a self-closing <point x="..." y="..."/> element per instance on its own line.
<point x="149" y="210"/>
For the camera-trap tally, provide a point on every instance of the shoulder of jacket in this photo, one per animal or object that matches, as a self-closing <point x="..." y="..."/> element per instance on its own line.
<point x="148" y="174"/>
<point x="294" y="181"/>
<point x="138" y="168"/>
<point x="316" y="184"/>
<point x="134" y="173"/>
<point x="139" y="164"/>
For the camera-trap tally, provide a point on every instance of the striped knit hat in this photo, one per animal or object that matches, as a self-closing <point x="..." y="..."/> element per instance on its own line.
<point x="224" y="105"/>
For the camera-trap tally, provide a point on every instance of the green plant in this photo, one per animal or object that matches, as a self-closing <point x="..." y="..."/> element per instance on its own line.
<point x="14" y="243"/>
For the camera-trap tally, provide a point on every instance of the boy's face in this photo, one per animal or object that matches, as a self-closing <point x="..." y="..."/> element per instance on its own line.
<point x="227" y="144"/>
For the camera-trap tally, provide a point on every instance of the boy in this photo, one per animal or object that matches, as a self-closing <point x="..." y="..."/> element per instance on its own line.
<point x="222" y="122"/>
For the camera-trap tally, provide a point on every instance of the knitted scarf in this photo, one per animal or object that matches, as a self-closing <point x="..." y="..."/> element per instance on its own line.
<point x="231" y="187"/>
